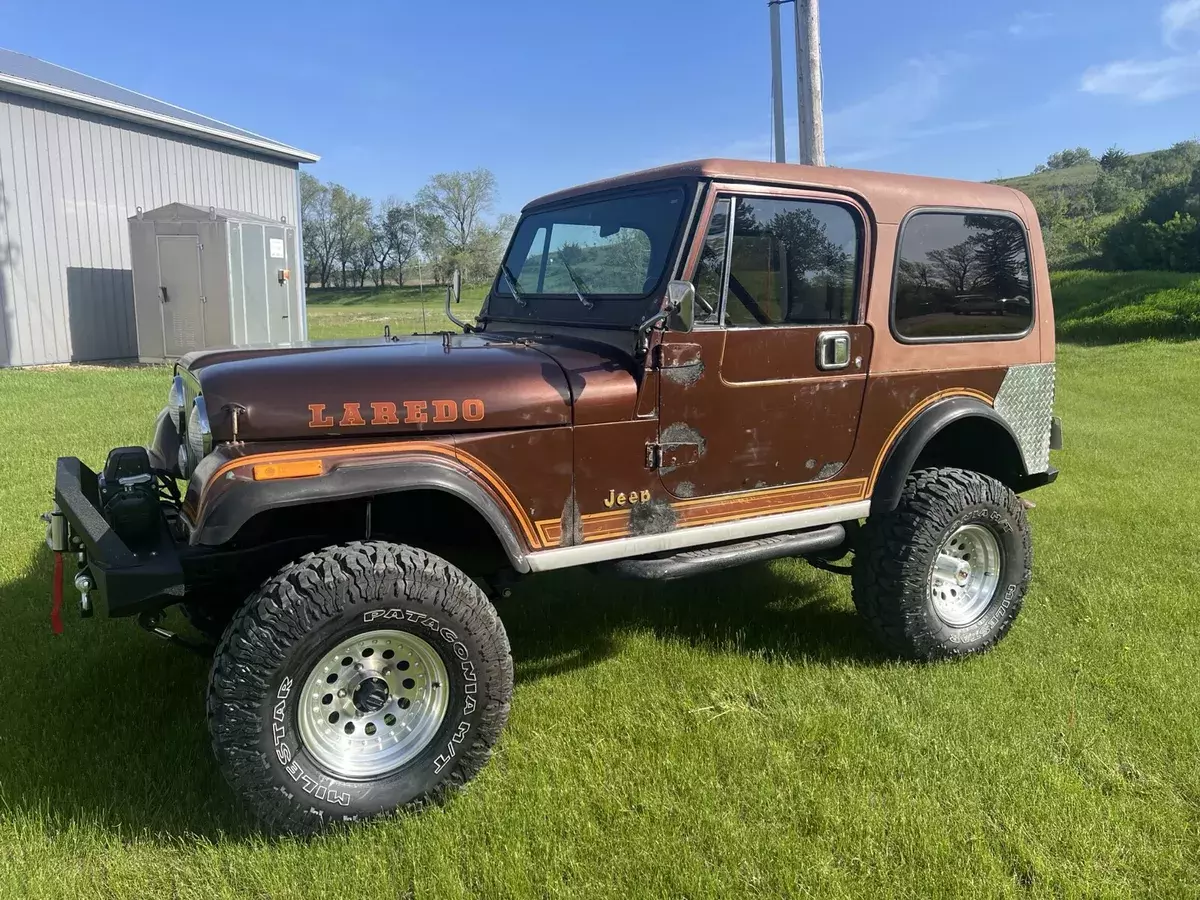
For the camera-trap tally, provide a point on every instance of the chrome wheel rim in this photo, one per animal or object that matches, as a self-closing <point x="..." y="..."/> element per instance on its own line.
<point x="373" y="703"/>
<point x="965" y="574"/>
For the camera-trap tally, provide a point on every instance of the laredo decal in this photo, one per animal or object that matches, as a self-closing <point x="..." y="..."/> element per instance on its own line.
<point x="385" y="412"/>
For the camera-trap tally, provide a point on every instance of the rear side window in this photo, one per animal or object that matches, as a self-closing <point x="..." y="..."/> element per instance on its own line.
<point x="962" y="275"/>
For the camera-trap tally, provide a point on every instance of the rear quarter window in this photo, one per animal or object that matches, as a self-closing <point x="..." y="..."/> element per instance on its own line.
<point x="962" y="275"/>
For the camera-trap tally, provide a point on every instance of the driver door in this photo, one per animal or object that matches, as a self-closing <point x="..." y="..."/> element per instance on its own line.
<point x="767" y="389"/>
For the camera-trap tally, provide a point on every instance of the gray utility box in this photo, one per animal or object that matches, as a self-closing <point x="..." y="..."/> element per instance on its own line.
<point x="213" y="278"/>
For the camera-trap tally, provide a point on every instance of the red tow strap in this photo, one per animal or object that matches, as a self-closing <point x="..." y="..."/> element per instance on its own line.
<point x="56" y="622"/>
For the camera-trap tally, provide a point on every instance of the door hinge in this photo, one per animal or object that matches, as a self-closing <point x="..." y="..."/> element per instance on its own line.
<point x="676" y="356"/>
<point x="671" y="455"/>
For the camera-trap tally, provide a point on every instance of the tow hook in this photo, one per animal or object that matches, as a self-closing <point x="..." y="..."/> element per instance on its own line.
<point x="83" y="580"/>
<point x="152" y="622"/>
<point x="84" y="584"/>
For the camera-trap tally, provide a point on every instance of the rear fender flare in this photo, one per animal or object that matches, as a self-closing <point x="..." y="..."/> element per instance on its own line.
<point x="219" y="522"/>
<point x="907" y="448"/>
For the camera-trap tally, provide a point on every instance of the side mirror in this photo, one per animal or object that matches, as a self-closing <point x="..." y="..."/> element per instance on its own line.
<point x="681" y="306"/>
<point x="456" y="283"/>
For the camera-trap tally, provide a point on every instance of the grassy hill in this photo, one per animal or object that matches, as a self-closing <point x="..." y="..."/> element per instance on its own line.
<point x="1082" y="205"/>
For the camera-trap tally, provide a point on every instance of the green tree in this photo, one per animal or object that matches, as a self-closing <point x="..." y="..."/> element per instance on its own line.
<point x="350" y="216"/>
<point x="316" y="218"/>
<point x="400" y="222"/>
<point x="1112" y="193"/>
<point x="455" y="231"/>
<point x="1164" y="233"/>
<point x="1114" y="159"/>
<point x="1064" y="159"/>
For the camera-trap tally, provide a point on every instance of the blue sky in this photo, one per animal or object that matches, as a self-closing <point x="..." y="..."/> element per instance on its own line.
<point x="549" y="93"/>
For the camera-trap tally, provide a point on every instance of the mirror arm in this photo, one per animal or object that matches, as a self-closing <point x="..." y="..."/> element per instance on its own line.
<point x="467" y="329"/>
<point x="644" y="329"/>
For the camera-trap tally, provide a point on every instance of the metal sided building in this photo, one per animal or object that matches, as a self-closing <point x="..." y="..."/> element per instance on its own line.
<point x="80" y="158"/>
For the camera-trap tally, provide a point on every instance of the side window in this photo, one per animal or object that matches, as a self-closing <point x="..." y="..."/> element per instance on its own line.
<point x="794" y="262"/>
<point x="962" y="275"/>
<point x="710" y="270"/>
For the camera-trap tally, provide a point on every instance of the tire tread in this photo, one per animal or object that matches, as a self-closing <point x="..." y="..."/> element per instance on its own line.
<point x="890" y="566"/>
<point x="294" y="601"/>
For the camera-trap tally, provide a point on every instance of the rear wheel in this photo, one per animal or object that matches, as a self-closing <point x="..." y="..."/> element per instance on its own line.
<point x="945" y="573"/>
<point x="359" y="680"/>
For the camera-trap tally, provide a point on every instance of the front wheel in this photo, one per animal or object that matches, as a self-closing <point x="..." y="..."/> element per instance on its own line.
<point x="945" y="573"/>
<point x="357" y="681"/>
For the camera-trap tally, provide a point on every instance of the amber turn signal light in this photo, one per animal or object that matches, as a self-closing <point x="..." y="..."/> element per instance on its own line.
<point x="300" y="469"/>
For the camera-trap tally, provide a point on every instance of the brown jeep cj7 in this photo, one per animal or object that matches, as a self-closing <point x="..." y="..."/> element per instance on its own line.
<point x="675" y="371"/>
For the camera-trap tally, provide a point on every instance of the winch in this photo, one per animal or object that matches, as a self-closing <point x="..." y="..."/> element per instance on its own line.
<point x="129" y="496"/>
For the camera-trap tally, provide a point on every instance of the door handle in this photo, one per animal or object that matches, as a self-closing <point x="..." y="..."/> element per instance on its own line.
<point x="164" y="297"/>
<point x="833" y="350"/>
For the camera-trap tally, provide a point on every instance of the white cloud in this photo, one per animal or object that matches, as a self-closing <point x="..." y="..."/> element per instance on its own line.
<point x="1180" y="20"/>
<point x="1033" y="24"/>
<point x="1146" y="81"/>
<point x="900" y="115"/>
<point x="881" y="124"/>
<point x="1154" y="80"/>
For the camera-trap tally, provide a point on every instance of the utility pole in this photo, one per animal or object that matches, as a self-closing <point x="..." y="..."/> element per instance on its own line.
<point x="777" y="81"/>
<point x="808" y="82"/>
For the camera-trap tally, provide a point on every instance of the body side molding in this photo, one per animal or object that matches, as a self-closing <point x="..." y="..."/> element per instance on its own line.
<point x="229" y="513"/>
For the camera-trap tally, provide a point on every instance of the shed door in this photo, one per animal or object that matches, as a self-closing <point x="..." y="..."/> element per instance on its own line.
<point x="278" y="305"/>
<point x="180" y="293"/>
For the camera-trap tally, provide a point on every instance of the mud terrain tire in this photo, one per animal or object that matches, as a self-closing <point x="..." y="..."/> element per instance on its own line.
<point x="895" y="575"/>
<point x="269" y="672"/>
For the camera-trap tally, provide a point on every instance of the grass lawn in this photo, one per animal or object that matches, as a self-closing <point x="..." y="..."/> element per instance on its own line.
<point x="1112" y="307"/>
<point x="736" y="736"/>
<point x="337" y="313"/>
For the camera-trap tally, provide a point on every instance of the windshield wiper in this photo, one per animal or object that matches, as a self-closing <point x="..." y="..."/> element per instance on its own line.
<point x="587" y="304"/>
<point x="512" y="285"/>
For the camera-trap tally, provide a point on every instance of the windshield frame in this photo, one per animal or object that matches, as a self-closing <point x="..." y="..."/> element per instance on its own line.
<point x="608" y="310"/>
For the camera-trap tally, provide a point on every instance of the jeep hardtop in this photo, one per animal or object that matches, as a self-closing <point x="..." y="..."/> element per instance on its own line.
<point x="675" y="371"/>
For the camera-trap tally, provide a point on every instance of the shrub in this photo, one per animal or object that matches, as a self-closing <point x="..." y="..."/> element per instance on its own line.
<point x="1064" y="159"/>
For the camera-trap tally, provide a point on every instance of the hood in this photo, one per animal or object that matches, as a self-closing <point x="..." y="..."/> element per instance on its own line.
<point x="421" y="384"/>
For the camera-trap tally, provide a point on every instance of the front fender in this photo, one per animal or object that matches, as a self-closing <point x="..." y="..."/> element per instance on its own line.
<point x="231" y="496"/>
<point x="915" y="437"/>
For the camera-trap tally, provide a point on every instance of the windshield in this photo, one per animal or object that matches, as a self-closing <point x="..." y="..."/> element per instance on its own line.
<point x="615" y="249"/>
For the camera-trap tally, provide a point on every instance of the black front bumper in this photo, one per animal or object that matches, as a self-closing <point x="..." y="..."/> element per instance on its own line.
<point x="130" y="582"/>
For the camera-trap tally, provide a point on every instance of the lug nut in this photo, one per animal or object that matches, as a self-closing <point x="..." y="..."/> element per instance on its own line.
<point x="342" y="693"/>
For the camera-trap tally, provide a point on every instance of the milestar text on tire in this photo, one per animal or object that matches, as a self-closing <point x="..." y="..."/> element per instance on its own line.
<point x="896" y="555"/>
<point x="294" y="621"/>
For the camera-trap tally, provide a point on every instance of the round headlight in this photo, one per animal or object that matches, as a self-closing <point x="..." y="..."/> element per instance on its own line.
<point x="199" y="432"/>
<point x="197" y="439"/>
<point x="175" y="401"/>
